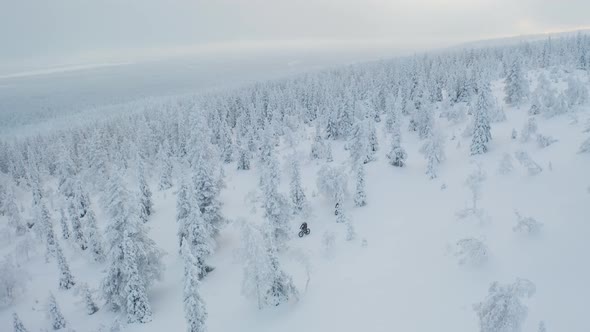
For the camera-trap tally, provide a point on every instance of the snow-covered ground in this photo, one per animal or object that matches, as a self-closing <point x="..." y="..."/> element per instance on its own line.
<point x="402" y="271"/>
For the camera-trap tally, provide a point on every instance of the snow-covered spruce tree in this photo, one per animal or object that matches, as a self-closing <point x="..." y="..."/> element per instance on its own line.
<point x="57" y="319"/>
<point x="503" y="310"/>
<point x="87" y="219"/>
<point x="481" y="121"/>
<point x="296" y="189"/>
<point x="433" y="150"/>
<point x="164" y="158"/>
<point x="165" y="181"/>
<point x="373" y="140"/>
<point x="75" y="211"/>
<point x="264" y="278"/>
<point x="91" y="307"/>
<point x="332" y="183"/>
<point x="544" y="98"/>
<point x="17" y="324"/>
<point x="424" y="118"/>
<point x="63" y="222"/>
<point x="12" y="212"/>
<point x="359" y="145"/>
<point x="43" y="218"/>
<point x="244" y="156"/>
<point x="137" y="304"/>
<point x="329" y="156"/>
<point x="194" y="306"/>
<point x="393" y="111"/>
<point x="133" y="260"/>
<point x="516" y="86"/>
<point x="276" y="206"/>
<point x="397" y="155"/>
<point x="226" y="145"/>
<point x="145" y="194"/>
<point x="199" y="235"/>
<point x="318" y="145"/>
<point x="66" y="171"/>
<point x="360" y="195"/>
<point x="183" y="208"/>
<point x="267" y="144"/>
<point x="66" y="279"/>
<point x="207" y="189"/>
<point x="94" y="237"/>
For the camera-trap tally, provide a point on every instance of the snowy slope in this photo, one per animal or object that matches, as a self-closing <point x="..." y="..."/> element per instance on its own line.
<point x="401" y="271"/>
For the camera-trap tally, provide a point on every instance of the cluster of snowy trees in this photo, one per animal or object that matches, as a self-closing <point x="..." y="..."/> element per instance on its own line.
<point x="182" y="143"/>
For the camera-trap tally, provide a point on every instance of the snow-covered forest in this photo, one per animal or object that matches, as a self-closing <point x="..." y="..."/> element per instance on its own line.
<point x="445" y="191"/>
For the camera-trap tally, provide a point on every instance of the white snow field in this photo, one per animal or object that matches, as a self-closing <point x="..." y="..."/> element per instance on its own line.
<point x="403" y="270"/>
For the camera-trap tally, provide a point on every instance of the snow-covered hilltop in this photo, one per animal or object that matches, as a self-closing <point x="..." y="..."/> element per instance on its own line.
<point x="442" y="192"/>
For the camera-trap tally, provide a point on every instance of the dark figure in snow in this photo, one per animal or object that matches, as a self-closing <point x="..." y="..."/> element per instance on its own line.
<point x="336" y="209"/>
<point x="304" y="230"/>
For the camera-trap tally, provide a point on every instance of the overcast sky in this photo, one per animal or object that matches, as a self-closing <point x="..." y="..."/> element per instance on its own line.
<point x="65" y="29"/>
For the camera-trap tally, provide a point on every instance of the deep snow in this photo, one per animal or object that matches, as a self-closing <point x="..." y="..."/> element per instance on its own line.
<point x="400" y="273"/>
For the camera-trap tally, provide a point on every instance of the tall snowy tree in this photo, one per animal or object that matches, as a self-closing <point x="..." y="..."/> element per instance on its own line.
<point x="275" y="204"/>
<point x="373" y="140"/>
<point x="424" y="118"/>
<point x="63" y="221"/>
<point x="145" y="194"/>
<point x="133" y="261"/>
<point x="318" y="145"/>
<point x="359" y="143"/>
<point x="263" y="275"/>
<point x="329" y="156"/>
<point x="296" y="190"/>
<point x="137" y="304"/>
<point x="76" y="211"/>
<point x="66" y="279"/>
<point x="44" y="221"/>
<point x="244" y="157"/>
<point x="516" y="86"/>
<point x="91" y="307"/>
<point x="12" y="212"/>
<point x="183" y="208"/>
<point x="94" y="237"/>
<point x="86" y="219"/>
<point x="196" y="233"/>
<point x="332" y="183"/>
<point x="194" y="306"/>
<point x="207" y="189"/>
<point x="17" y="324"/>
<point x="481" y="121"/>
<point x="360" y="195"/>
<point x="397" y="155"/>
<point x="66" y="171"/>
<point x="57" y="319"/>
<point x="164" y="157"/>
<point x="433" y="150"/>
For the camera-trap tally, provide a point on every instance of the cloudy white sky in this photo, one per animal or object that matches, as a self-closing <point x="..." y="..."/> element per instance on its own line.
<point x="31" y="30"/>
